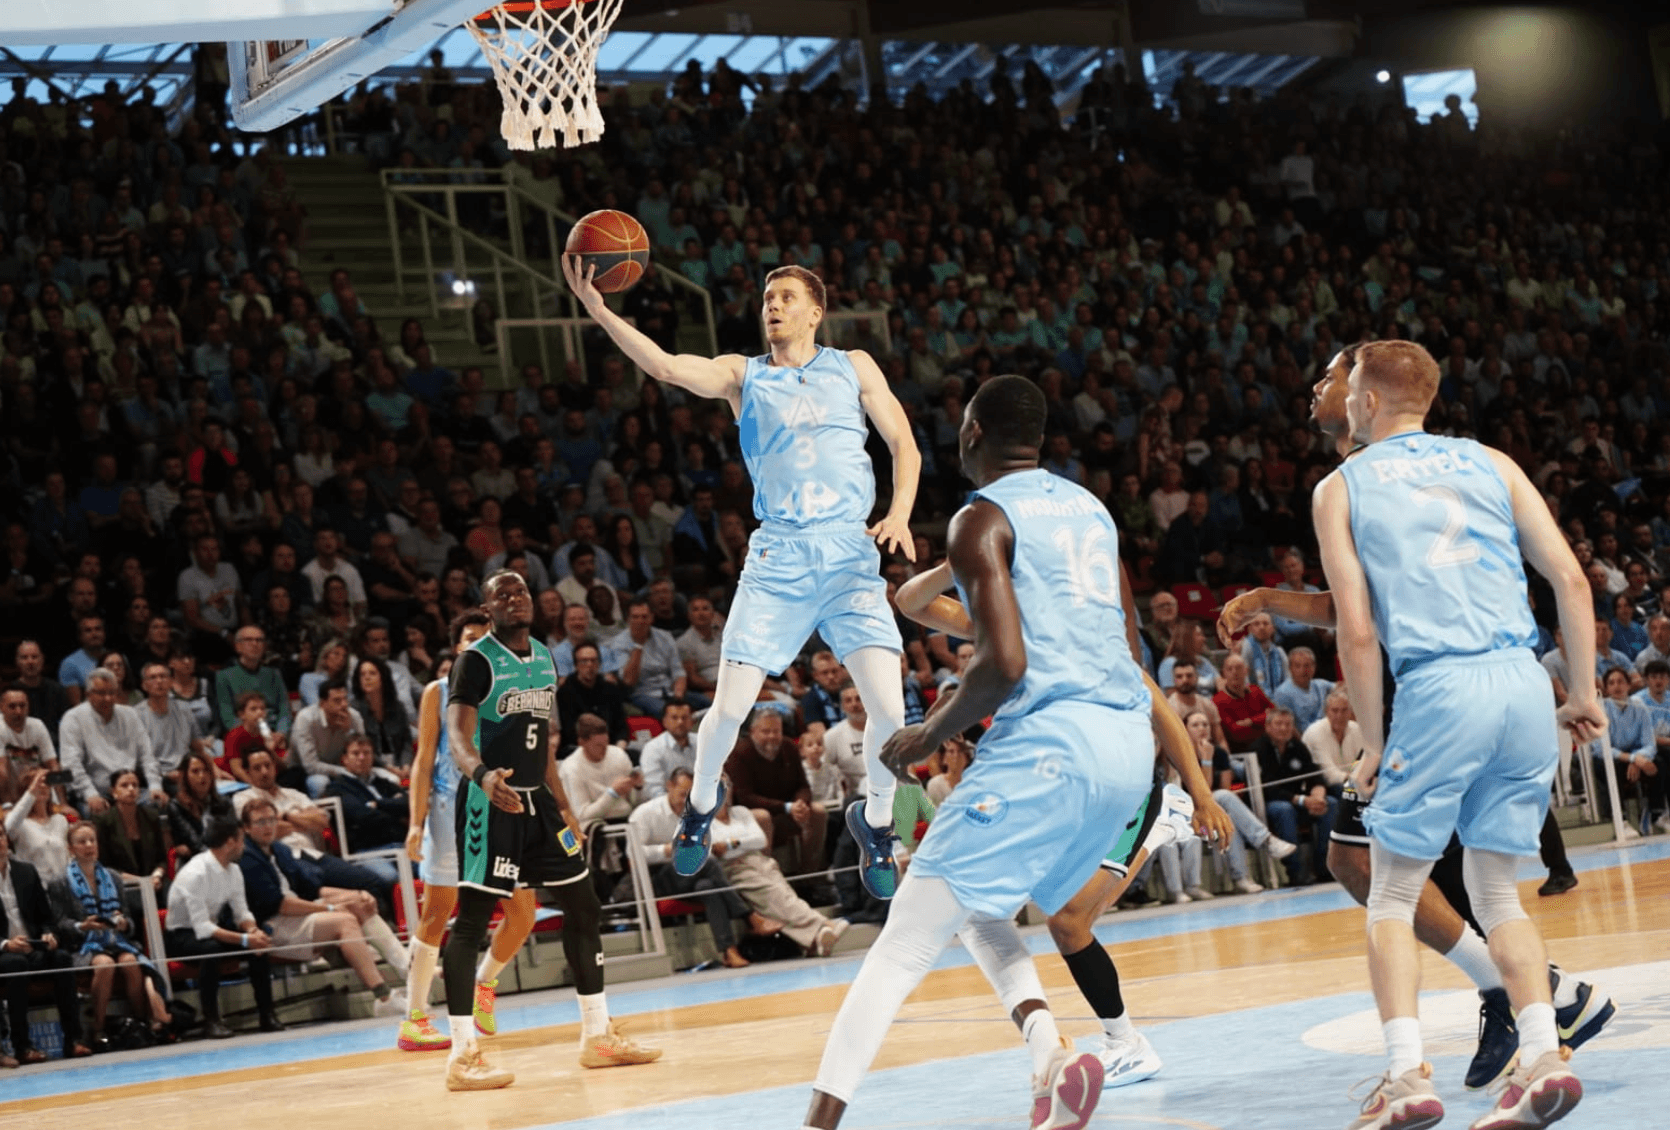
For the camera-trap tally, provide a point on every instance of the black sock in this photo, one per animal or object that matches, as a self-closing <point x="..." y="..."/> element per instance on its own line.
<point x="1554" y="847"/>
<point x="1098" y="979"/>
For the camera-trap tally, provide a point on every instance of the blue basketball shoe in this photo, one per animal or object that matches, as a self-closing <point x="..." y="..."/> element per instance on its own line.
<point x="877" y="869"/>
<point x="690" y="843"/>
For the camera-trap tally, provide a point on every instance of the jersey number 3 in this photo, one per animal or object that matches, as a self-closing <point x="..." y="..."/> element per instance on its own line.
<point x="1451" y="546"/>
<point x="1091" y="574"/>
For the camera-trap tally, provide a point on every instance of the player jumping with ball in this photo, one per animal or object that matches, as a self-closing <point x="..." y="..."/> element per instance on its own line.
<point x="812" y="564"/>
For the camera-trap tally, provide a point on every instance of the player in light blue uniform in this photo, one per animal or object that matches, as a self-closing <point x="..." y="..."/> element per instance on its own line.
<point x="1068" y="757"/>
<point x="1422" y="538"/>
<point x="812" y="564"/>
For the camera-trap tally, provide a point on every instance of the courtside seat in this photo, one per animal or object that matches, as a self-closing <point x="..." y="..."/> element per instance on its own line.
<point x="1194" y="601"/>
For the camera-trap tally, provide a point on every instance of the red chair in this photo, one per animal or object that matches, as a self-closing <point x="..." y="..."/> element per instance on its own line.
<point x="1271" y="580"/>
<point x="642" y="727"/>
<point x="1230" y="592"/>
<point x="1194" y="601"/>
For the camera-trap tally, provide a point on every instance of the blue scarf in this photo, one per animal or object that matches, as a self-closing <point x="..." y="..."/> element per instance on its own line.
<point x="105" y="903"/>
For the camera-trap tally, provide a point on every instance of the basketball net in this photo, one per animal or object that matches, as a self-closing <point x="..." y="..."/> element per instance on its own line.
<point x="545" y="62"/>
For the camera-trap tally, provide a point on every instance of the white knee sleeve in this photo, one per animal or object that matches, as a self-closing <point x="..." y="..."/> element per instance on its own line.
<point x="1490" y="879"/>
<point x="996" y="946"/>
<point x="1395" y="885"/>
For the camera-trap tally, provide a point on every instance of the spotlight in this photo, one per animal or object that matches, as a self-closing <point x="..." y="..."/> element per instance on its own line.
<point x="460" y="287"/>
<point x="1383" y="76"/>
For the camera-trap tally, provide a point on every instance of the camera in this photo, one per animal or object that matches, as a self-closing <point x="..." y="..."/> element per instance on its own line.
<point x="60" y="777"/>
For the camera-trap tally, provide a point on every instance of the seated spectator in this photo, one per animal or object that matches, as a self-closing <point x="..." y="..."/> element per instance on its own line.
<point x="1241" y="706"/>
<point x="385" y="713"/>
<point x="26" y="914"/>
<point x="653" y="825"/>
<point x="374" y="806"/>
<point x="1267" y="663"/>
<point x="843" y="745"/>
<point x="208" y="917"/>
<point x="1630" y="744"/>
<point x="647" y="659"/>
<point x="1184" y="699"/>
<point x="1292" y="633"/>
<point x="1294" y="791"/>
<point x="196" y="801"/>
<point x="373" y="641"/>
<point x="335" y="617"/>
<point x="1335" y="741"/>
<point x="192" y="690"/>
<point x="588" y="692"/>
<point x="577" y="566"/>
<point x="822" y="703"/>
<point x="321" y="733"/>
<point x="100" y="737"/>
<point x="48" y="699"/>
<point x="38" y="827"/>
<point x="25" y="744"/>
<point x="603" y="787"/>
<point x="330" y="663"/>
<point x="252" y="733"/>
<point x="771" y="781"/>
<point x="1302" y="693"/>
<point x="698" y="647"/>
<point x="1250" y="831"/>
<point x="1629" y="628"/>
<point x="248" y="674"/>
<point x="1188" y="645"/>
<point x="1179" y="866"/>
<point x="73" y="671"/>
<point x="87" y="903"/>
<point x="759" y="880"/>
<point x="302" y="824"/>
<point x="576" y="629"/>
<point x="1655" y="696"/>
<point x="133" y="838"/>
<point x="955" y="756"/>
<point x="1658" y="643"/>
<point x="169" y="724"/>
<point x="673" y="748"/>
<point x="211" y="598"/>
<point x="306" y="921"/>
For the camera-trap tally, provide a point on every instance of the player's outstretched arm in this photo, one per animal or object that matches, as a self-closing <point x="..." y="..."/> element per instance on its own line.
<point x="980" y="544"/>
<point x="423" y="768"/>
<point x="719" y="378"/>
<point x="1545" y="548"/>
<point x="888" y="415"/>
<point x="923" y="599"/>
<point x="1359" y="643"/>
<point x="1313" y="608"/>
<point x="1210" y="821"/>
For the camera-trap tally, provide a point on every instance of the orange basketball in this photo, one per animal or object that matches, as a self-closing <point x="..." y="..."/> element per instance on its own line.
<point x="613" y="242"/>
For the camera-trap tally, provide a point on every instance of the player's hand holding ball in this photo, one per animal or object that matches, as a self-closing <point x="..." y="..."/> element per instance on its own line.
<point x="501" y="795"/>
<point x="908" y="746"/>
<point x="579" y="275"/>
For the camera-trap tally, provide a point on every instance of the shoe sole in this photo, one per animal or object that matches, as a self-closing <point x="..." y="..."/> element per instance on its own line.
<point x="859" y="829"/>
<point x="1417" y="1115"/>
<point x="1548" y="1100"/>
<point x="1111" y="1077"/>
<point x="471" y="1085"/>
<point x="1075" y="1094"/>
<point x="412" y="1046"/>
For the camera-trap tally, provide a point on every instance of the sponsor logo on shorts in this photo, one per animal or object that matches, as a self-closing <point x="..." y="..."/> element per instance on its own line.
<point x="506" y="869"/>
<point x="864" y="600"/>
<point x="986" y="810"/>
<point x="538" y="701"/>
<point x="1396" y="767"/>
<point x="568" y="842"/>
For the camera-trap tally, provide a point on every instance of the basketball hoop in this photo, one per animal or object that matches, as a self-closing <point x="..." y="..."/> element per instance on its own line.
<point x="544" y="58"/>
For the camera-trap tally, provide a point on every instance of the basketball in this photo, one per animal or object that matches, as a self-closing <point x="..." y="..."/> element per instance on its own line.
<point x="614" y="243"/>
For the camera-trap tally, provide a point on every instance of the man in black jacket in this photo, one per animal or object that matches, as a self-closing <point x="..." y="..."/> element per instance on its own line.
<point x="1282" y="757"/>
<point x="28" y="945"/>
<point x="588" y="692"/>
<point x="375" y="806"/>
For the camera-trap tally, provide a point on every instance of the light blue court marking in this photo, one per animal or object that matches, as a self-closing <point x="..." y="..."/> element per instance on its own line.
<point x="544" y="1009"/>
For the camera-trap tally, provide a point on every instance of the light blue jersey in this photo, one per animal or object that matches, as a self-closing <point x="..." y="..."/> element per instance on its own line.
<point x="1066" y="576"/>
<point x="1434" y="527"/>
<point x="802" y="434"/>
<point x="443" y="781"/>
<point x="440" y="839"/>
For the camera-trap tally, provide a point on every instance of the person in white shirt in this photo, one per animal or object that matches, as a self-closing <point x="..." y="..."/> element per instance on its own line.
<point x="760" y="882"/>
<point x="823" y="778"/>
<point x="101" y="736"/>
<point x="843" y="744"/>
<point x="1302" y="693"/>
<point x="169" y="723"/>
<point x="25" y="744"/>
<point x="599" y="779"/>
<point x="209" y="885"/>
<point x="671" y="749"/>
<point x="1334" y="740"/>
<point x="326" y="563"/>
<point x="653" y="825"/>
<point x="301" y="825"/>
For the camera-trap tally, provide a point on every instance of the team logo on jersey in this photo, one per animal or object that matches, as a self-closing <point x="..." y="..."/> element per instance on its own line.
<point x="986" y="810"/>
<point x="1396" y="768"/>
<point x="805" y="412"/>
<point x="538" y="701"/>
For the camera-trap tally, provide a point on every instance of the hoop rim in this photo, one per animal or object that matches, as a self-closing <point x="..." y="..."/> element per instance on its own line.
<point x="523" y="7"/>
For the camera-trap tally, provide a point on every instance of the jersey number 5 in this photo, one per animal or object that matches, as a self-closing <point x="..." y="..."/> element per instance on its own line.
<point x="1451" y="546"/>
<point x="1091" y="573"/>
<point x="533" y="735"/>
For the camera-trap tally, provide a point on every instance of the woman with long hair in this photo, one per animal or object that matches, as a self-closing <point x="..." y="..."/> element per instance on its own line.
<point x="335" y="615"/>
<point x="387" y="722"/>
<point x="240" y="509"/>
<point x="197" y="798"/>
<point x="1188" y="645"/>
<point x="423" y="641"/>
<point x="458" y="593"/>
<point x="127" y="693"/>
<point x="330" y="663"/>
<point x="621" y="541"/>
<point x="486" y="536"/>
<point x="190" y="689"/>
<point x="133" y="840"/>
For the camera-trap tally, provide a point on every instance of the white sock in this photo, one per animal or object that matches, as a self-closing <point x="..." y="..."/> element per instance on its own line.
<point x="1119" y="1027"/>
<point x="421" y="975"/>
<point x="463" y="1036"/>
<point x="875" y="672"/>
<point x="878" y="805"/>
<point x="594" y="1015"/>
<point x="1403" y="1043"/>
<point x="1537" y="1033"/>
<point x="1471" y="955"/>
<point x="704" y="794"/>
<point x="490" y="967"/>
<point x="1565" y="988"/>
<point x="384" y="941"/>
<point x="1043" y="1038"/>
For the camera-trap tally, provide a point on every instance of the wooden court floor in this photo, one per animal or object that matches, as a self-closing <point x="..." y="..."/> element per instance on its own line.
<point x="1618" y="915"/>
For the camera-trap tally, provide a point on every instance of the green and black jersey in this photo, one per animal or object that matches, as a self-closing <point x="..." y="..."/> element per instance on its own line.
<point x="515" y="697"/>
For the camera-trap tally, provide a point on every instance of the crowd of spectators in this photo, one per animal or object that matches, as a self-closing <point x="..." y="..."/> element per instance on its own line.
<point x="239" y="508"/>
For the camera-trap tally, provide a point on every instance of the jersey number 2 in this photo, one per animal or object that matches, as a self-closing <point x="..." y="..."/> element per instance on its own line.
<point x="1450" y="547"/>
<point x="1091" y="573"/>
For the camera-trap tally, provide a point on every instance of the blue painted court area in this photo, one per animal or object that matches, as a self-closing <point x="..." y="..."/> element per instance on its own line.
<point x="1202" y="1038"/>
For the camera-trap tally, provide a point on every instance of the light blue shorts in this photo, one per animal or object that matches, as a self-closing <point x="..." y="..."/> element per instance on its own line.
<point x="1046" y="799"/>
<point x="795" y="583"/>
<point x="1473" y="750"/>
<point x="440" y="841"/>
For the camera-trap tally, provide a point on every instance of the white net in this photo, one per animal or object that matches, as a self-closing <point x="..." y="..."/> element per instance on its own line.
<point x="545" y="61"/>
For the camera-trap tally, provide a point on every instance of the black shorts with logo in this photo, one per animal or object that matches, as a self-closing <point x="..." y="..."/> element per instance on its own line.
<point x="501" y="852"/>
